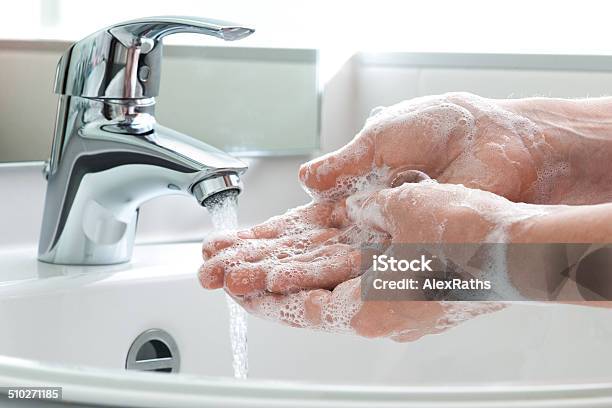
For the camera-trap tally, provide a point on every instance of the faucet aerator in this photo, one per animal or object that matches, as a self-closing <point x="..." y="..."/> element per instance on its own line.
<point x="218" y="200"/>
<point x="213" y="191"/>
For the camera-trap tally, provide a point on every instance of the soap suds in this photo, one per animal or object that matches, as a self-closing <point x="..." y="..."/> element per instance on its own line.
<point x="547" y="177"/>
<point x="443" y="115"/>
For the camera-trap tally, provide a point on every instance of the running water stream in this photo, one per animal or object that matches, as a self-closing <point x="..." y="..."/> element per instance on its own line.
<point x="223" y="211"/>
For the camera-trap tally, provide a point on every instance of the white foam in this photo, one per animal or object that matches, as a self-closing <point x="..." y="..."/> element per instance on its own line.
<point x="442" y="114"/>
<point x="548" y="176"/>
<point x="329" y="311"/>
<point x="347" y="185"/>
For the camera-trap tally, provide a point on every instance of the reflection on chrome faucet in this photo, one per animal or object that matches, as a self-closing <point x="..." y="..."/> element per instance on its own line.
<point x="109" y="155"/>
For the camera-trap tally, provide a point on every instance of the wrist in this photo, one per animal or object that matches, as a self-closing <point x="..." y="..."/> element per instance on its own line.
<point x="521" y="230"/>
<point x="571" y="148"/>
<point x="515" y="222"/>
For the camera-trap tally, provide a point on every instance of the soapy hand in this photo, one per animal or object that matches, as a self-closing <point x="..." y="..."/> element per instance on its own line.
<point x="527" y="150"/>
<point x="454" y="138"/>
<point x="308" y="247"/>
<point x="317" y="246"/>
<point x="318" y="286"/>
<point x="342" y="311"/>
<point x="302" y="268"/>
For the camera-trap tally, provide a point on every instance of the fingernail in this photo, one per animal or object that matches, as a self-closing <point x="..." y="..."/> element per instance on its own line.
<point x="246" y="234"/>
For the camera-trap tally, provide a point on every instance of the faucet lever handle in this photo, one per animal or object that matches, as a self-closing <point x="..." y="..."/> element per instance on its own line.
<point x="132" y="33"/>
<point x="123" y="61"/>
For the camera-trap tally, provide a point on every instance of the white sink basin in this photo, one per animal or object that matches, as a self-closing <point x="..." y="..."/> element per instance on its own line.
<point x="76" y="316"/>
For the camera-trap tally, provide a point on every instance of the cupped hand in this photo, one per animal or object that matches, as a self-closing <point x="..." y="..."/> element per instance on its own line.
<point x="302" y="268"/>
<point x="342" y="310"/>
<point x="309" y="247"/>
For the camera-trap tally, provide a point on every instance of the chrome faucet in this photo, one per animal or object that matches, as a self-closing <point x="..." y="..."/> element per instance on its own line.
<point x="109" y="155"/>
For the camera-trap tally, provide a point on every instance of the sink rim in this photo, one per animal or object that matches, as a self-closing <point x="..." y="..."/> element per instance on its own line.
<point x="136" y="389"/>
<point x="150" y="259"/>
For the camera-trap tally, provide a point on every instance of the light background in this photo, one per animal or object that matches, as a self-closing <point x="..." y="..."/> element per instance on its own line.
<point x="510" y="26"/>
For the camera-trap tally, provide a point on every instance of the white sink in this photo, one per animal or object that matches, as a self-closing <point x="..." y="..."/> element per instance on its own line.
<point x="88" y="317"/>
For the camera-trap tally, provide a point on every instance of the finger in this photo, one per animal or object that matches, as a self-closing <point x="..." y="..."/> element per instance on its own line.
<point x="211" y="274"/>
<point x="272" y="228"/>
<point x="280" y="248"/>
<point x="238" y="257"/>
<point x="213" y="270"/>
<point x="369" y="208"/>
<point x="302" y="309"/>
<point x="303" y="243"/>
<point x="322" y="269"/>
<point x="295" y="221"/>
<point x="276" y="227"/>
<point x="325" y="175"/>
<point x="214" y="243"/>
<point x="315" y="309"/>
<point x="246" y="278"/>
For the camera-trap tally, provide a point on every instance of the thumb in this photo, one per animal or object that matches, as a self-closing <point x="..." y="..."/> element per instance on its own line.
<point x="369" y="209"/>
<point x="380" y="209"/>
<point x="334" y="174"/>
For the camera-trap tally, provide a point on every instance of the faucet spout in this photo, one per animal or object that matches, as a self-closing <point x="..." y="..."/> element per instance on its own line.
<point x="215" y="170"/>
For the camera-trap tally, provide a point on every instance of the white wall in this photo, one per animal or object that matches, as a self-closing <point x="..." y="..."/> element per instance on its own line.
<point x="233" y="98"/>
<point x="382" y="81"/>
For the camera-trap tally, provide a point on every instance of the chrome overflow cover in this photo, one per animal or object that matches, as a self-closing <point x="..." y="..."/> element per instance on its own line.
<point x="154" y="350"/>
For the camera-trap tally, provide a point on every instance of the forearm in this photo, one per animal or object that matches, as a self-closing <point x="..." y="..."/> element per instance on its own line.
<point x="550" y="271"/>
<point x="587" y="118"/>
<point x="566" y="224"/>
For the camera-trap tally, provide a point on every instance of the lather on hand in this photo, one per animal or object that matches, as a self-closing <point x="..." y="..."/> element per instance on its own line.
<point x="301" y="268"/>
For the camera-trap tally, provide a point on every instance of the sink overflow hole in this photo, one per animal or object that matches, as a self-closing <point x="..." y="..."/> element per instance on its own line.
<point x="153" y="350"/>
